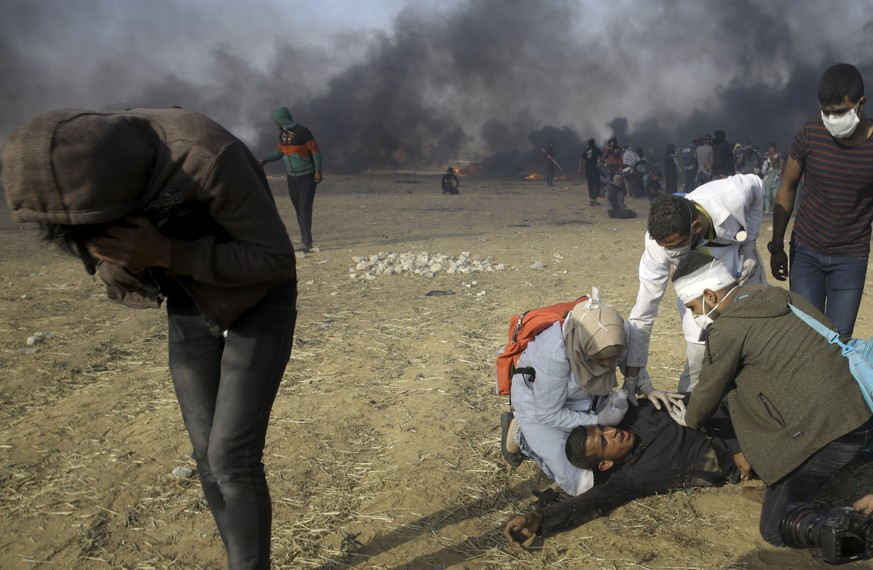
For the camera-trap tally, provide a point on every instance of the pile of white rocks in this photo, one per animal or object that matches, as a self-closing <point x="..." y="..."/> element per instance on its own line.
<point x="419" y="263"/>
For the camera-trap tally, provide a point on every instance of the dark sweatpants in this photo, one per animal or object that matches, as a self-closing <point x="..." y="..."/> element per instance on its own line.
<point x="593" y="185"/>
<point x="301" y="189"/>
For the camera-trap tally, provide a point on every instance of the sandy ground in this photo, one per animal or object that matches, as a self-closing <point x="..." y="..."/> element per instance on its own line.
<point x="384" y="445"/>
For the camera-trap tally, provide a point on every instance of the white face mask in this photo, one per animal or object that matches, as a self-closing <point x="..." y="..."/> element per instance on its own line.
<point x="842" y="126"/>
<point x="694" y="241"/>
<point x="677" y="252"/>
<point x="705" y="320"/>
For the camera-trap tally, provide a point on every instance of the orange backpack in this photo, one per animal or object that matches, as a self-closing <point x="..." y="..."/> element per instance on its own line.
<point x="522" y="329"/>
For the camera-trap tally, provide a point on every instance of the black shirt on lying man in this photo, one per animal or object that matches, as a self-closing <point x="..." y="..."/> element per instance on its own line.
<point x="647" y="453"/>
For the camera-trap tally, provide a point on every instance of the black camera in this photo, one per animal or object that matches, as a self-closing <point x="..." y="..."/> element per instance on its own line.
<point x="842" y="535"/>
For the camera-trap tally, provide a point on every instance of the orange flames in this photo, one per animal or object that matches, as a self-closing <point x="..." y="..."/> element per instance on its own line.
<point x="538" y="176"/>
<point x="472" y="169"/>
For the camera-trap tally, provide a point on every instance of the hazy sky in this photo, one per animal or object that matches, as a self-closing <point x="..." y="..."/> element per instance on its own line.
<point x="388" y="83"/>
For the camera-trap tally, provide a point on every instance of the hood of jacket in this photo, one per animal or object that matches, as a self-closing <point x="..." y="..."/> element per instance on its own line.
<point x="758" y="301"/>
<point x="282" y="117"/>
<point x="50" y="175"/>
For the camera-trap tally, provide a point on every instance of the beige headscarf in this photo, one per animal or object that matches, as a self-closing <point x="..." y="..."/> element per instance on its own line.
<point x="593" y="329"/>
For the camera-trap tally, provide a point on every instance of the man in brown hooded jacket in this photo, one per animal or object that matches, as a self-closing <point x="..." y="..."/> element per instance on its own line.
<point x="168" y="205"/>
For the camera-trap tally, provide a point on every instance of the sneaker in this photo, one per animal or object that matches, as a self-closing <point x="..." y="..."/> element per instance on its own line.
<point x="593" y="203"/>
<point x="513" y="459"/>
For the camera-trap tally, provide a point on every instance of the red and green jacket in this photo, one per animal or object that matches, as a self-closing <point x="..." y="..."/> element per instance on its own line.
<point x="297" y="147"/>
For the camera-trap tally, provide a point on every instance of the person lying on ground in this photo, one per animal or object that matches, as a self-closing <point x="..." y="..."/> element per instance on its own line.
<point x="646" y="454"/>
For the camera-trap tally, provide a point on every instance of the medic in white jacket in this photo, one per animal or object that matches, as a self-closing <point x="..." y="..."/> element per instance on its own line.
<point x="732" y="209"/>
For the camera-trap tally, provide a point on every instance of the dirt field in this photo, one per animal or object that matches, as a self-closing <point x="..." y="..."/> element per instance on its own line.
<point x="384" y="446"/>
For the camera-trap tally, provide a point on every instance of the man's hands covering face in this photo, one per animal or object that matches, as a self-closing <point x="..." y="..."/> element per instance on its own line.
<point x="133" y="243"/>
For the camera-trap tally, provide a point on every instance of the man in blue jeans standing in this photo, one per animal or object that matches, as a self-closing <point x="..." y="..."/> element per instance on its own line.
<point x="830" y="242"/>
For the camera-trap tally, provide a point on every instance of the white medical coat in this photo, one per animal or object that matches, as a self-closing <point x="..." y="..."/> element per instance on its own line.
<point x="733" y="204"/>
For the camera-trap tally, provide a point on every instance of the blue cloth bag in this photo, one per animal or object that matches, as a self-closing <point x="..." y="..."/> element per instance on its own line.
<point x="859" y="353"/>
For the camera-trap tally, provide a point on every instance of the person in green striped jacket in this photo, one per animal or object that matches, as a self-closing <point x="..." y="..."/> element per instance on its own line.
<point x="299" y="151"/>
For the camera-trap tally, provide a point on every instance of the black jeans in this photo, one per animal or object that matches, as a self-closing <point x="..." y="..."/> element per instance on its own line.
<point x="593" y="179"/>
<point x="301" y="189"/>
<point x="226" y="387"/>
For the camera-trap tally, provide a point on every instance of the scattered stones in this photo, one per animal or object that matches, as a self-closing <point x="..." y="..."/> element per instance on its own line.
<point x="536" y="265"/>
<point x="38" y="338"/>
<point x="419" y="263"/>
<point x="182" y="473"/>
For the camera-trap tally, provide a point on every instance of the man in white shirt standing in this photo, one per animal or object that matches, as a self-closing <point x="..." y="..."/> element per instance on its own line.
<point x="721" y="218"/>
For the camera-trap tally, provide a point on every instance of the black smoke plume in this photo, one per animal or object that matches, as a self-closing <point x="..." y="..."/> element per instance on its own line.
<point x="501" y="76"/>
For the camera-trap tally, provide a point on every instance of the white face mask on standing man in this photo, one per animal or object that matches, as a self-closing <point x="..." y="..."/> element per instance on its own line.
<point x="695" y="240"/>
<point x="841" y="126"/>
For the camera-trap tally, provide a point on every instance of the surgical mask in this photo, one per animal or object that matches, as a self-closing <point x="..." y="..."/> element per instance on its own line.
<point x="694" y="241"/>
<point x="704" y="320"/>
<point x="677" y="252"/>
<point x="842" y="126"/>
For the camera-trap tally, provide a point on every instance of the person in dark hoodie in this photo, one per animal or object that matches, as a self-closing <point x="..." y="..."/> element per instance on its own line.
<point x="165" y="205"/>
<point x="590" y="165"/>
<point x="722" y="156"/>
<point x="798" y="412"/>
<point x="298" y="149"/>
